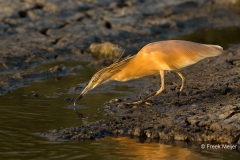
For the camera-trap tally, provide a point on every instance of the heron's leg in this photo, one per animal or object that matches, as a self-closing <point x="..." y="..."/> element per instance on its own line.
<point x="154" y="94"/>
<point x="183" y="82"/>
<point x="161" y="88"/>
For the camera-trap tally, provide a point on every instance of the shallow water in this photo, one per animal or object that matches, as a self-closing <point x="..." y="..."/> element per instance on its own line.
<point x="22" y="114"/>
<point x="221" y="36"/>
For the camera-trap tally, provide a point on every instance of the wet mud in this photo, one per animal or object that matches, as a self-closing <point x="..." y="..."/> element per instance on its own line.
<point x="37" y="32"/>
<point x="207" y="110"/>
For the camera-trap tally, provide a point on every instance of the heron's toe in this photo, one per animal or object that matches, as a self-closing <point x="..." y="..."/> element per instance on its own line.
<point x="134" y="103"/>
<point x="147" y="103"/>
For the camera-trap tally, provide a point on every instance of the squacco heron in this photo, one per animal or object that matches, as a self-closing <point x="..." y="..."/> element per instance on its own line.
<point x="156" y="57"/>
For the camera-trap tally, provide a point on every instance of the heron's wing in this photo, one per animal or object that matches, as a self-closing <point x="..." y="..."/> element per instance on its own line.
<point x="176" y="54"/>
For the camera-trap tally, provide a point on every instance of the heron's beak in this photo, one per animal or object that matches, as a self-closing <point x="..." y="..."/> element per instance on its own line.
<point x="82" y="94"/>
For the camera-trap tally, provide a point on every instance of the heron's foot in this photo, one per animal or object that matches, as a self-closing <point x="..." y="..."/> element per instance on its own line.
<point x="139" y="102"/>
<point x="168" y="103"/>
<point x="178" y="94"/>
<point x="178" y="97"/>
<point x="145" y="101"/>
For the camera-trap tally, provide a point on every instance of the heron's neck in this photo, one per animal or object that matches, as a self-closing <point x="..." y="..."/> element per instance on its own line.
<point x="136" y="67"/>
<point x="127" y="71"/>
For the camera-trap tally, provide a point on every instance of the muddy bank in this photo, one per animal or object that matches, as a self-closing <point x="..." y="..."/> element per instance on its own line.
<point x="208" y="109"/>
<point x="35" y="32"/>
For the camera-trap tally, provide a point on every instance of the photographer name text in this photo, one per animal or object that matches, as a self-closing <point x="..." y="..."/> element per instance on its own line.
<point x="219" y="146"/>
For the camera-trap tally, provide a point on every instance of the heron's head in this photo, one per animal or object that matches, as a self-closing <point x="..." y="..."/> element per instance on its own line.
<point x="104" y="75"/>
<point x="98" y="78"/>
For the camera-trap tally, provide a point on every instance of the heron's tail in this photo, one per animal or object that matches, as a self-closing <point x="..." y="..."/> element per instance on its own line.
<point x="215" y="50"/>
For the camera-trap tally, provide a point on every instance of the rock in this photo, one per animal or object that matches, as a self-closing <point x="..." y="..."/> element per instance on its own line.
<point x="35" y="94"/>
<point x="13" y="9"/>
<point x="3" y="27"/>
<point x="138" y="132"/>
<point x="106" y="50"/>
<point x="68" y="99"/>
